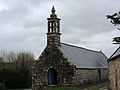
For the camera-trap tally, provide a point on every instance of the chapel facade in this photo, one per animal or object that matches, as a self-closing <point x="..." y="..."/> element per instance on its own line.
<point x="65" y="64"/>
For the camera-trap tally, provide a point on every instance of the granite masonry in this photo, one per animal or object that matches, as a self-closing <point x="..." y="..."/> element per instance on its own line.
<point x="114" y="70"/>
<point x="65" y="64"/>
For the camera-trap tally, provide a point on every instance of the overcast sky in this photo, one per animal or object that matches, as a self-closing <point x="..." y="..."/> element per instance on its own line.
<point x="23" y="24"/>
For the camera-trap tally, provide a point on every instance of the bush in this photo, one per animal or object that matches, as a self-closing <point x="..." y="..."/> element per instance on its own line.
<point x="15" y="79"/>
<point x="2" y="86"/>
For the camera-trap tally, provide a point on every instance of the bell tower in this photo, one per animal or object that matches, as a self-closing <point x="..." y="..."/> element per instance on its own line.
<point x="53" y="34"/>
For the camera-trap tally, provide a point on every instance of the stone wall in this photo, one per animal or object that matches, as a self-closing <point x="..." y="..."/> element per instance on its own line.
<point x="114" y="73"/>
<point x="51" y="58"/>
<point x="85" y="76"/>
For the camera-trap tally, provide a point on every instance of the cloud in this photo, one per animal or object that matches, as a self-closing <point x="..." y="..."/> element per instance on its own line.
<point x="23" y="24"/>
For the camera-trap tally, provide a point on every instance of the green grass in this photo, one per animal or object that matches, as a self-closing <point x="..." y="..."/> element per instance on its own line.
<point x="97" y="86"/>
<point x="88" y="87"/>
<point x="63" y="88"/>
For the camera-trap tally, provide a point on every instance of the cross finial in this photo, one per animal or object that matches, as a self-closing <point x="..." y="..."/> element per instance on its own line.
<point x="53" y="10"/>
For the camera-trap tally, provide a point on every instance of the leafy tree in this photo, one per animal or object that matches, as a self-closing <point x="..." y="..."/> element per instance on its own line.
<point x="115" y="20"/>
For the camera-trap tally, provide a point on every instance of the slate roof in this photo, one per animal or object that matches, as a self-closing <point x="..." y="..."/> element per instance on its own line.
<point x="115" y="54"/>
<point x="84" y="58"/>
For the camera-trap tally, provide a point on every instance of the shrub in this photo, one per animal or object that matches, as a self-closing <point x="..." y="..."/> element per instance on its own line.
<point x="15" y="79"/>
<point x="2" y="86"/>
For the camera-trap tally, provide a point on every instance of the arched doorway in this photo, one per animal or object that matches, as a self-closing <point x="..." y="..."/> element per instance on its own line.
<point x="52" y="76"/>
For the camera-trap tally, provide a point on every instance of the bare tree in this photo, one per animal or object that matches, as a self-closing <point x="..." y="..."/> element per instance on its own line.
<point x="24" y="60"/>
<point x="20" y="60"/>
<point x="11" y="57"/>
<point x="3" y="55"/>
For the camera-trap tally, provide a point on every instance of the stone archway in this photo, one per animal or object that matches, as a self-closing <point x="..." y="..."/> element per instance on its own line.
<point x="52" y="76"/>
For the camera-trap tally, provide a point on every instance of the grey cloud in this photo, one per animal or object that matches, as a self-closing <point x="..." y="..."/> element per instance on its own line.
<point x="23" y="24"/>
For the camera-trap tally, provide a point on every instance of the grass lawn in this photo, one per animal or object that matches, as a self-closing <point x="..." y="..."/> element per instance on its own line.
<point x="88" y="87"/>
<point x="97" y="86"/>
<point x="63" y="88"/>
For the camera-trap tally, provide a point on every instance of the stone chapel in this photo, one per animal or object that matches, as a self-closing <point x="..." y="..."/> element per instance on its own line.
<point x="65" y="64"/>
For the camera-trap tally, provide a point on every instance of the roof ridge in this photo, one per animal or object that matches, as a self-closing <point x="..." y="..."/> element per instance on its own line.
<point x="81" y="47"/>
<point x="104" y="54"/>
<point x="114" y="53"/>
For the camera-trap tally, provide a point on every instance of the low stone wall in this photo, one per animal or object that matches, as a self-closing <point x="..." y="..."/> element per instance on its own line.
<point x="85" y="76"/>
